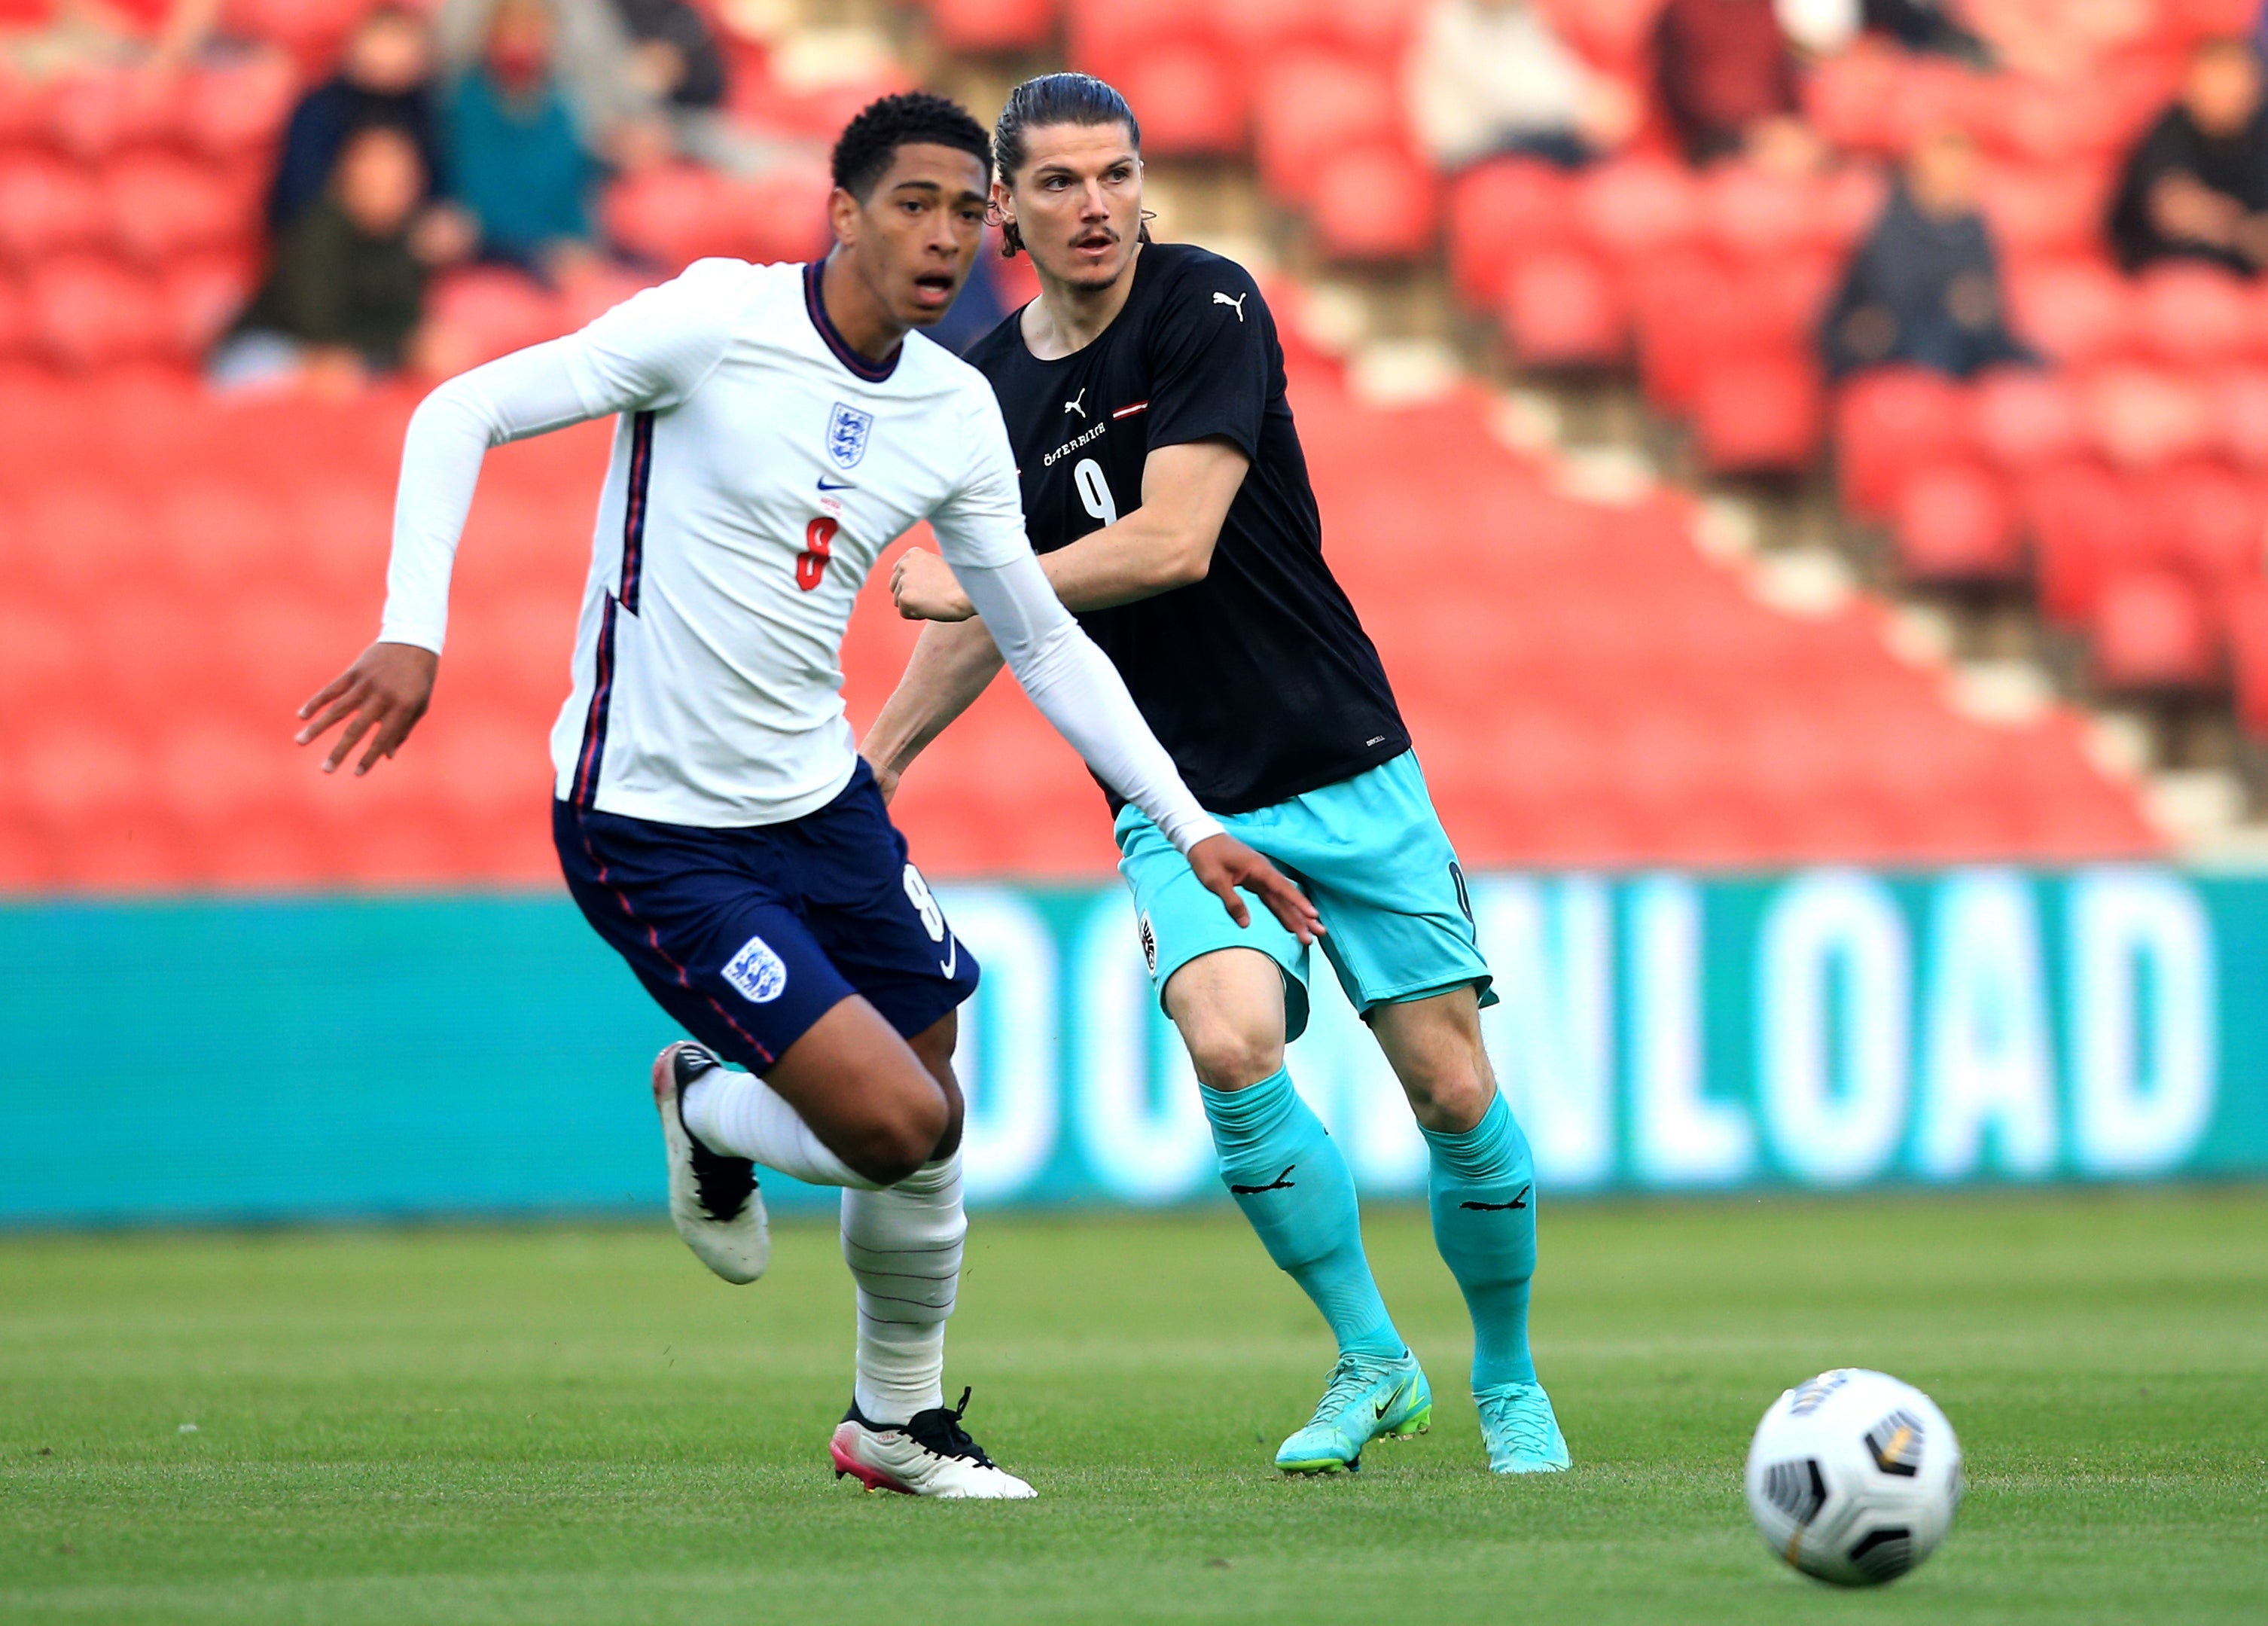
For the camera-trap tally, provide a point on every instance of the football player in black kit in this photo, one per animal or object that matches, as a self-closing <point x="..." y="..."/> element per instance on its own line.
<point x="1167" y="493"/>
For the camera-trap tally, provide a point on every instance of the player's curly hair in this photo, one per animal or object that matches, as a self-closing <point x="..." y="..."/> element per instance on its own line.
<point x="869" y="141"/>
<point x="1054" y="99"/>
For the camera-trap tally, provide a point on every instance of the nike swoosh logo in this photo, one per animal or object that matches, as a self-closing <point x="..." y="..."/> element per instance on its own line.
<point x="844" y="486"/>
<point x="1282" y="1182"/>
<point x="952" y="959"/>
<point x="1521" y="1201"/>
<point x="1390" y="1401"/>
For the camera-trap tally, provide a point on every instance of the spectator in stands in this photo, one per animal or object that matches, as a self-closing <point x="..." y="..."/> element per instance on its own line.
<point x="385" y="77"/>
<point x="1727" y="77"/>
<point x="344" y="297"/>
<point x="590" y="53"/>
<point x="2197" y="187"/>
<point x="676" y="63"/>
<point x="1491" y="76"/>
<point x="1925" y="288"/>
<point x="674" y="58"/>
<point x="516" y="160"/>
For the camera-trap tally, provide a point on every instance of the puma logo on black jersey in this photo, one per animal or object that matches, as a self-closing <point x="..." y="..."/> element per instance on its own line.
<point x="1236" y="303"/>
<point x="1074" y="404"/>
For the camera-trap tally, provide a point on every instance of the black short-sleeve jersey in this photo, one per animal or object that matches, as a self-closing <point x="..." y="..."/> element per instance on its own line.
<point x="1259" y="680"/>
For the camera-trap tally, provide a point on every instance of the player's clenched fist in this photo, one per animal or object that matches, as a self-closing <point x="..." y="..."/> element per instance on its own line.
<point x="383" y="694"/>
<point x="926" y="589"/>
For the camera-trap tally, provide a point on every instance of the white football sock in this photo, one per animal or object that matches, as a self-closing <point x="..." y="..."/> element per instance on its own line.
<point x="903" y="1248"/>
<point x="741" y="1116"/>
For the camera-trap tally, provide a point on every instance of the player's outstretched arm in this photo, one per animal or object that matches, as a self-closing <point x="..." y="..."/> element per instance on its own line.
<point x="1166" y="543"/>
<point x="382" y="695"/>
<point x="650" y="350"/>
<point x="953" y="663"/>
<point x="1078" y="690"/>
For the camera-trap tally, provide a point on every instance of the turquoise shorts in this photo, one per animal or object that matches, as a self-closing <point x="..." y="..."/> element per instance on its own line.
<point x="1370" y="851"/>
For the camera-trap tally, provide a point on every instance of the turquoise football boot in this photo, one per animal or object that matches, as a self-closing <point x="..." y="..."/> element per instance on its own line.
<point x="1367" y="1398"/>
<point x="1520" y="1430"/>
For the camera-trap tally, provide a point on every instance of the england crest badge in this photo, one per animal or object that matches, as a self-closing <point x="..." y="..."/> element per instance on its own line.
<point x="847" y="429"/>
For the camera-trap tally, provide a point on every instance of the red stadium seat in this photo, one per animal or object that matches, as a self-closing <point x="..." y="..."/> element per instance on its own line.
<point x="1499" y="212"/>
<point x="2217" y="523"/>
<point x="1102" y="36"/>
<point x="23" y="107"/>
<point x="1260" y="29"/>
<point x="1760" y="414"/>
<point x="46" y="207"/>
<point x="490" y="310"/>
<point x="1953" y="523"/>
<point x="672" y="214"/>
<point x="1375" y="203"/>
<point x="2024" y="417"/>
<point x="978" y="26"/>
<point x="1888" y="422"/>
<point x="2151" y="630"/>
<point x="1639" y="207"/>
<point x="93" y="113"/>
<point x="2080" y="516"/>
<point x="2239" y="400"/>
<point x="89" y="312"/>
<point x="785" y="208"/>
<point x="1191" y="98"/>
<point x="203" y="296"/>
<point x="1695" y="313"/>
<point x="2192" y="315"/>
<point x="237" y="106"/>
<point x="2077" y="312"/>
<point x="2043" y="213"/>
<point x="1310" y="107"/>
<point x="162" y="206"/>
<point x="2050" y="122"/>
<point x="1852" y="98"/>
<point x="1754" y="214"/>
<point x="1561" y="309"/>
<point x="16" y="330"/>
<point x="2143" y="418"/>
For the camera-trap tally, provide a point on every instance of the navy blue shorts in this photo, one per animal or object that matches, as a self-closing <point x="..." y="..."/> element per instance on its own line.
<point x="748" y="936"/>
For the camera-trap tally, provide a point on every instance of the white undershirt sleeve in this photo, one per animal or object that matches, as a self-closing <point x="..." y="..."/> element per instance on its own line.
<point x="980" y="532"/>
<point x="1080" y="692"/>
<point x="651" y="351"/>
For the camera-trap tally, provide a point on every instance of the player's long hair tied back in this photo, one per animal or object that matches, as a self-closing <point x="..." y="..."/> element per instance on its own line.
<point x="1056" y="99"/>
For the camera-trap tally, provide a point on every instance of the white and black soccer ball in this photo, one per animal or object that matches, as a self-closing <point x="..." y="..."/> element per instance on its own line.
<point x="1854" y="1477"/>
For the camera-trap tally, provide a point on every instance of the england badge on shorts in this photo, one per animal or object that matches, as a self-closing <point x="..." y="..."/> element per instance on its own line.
<point x="847" y="429"/>
<point x="758" y="974"/>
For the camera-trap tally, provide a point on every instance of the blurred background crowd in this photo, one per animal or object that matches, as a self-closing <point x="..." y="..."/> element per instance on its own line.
<point x="1853" y="414"/>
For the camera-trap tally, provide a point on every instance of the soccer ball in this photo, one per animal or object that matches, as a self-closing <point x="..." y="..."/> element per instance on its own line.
<point x="1854" y="1477"/>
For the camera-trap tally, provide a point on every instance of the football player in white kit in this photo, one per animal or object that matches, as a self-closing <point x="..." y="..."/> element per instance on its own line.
<point x="778" y="427"/>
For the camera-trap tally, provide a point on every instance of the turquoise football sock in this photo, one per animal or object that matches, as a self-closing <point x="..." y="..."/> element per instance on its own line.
<point x="1285" y="1172"/>
<point x="1484" y="1202"/>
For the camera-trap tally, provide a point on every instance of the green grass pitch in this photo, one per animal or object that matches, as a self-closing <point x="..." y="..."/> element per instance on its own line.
<point x="576" y="1424"/>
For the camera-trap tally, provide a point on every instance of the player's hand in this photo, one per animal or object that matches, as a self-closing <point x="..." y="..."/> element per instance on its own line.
<point x="926" y="588"/>
<point x="1225" y="864"/>
<point x="886" y="780"/>
<point x="383" y="694"/>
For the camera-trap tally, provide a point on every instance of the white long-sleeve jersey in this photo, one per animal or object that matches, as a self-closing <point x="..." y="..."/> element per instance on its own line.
<point x="761" y="466"/>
